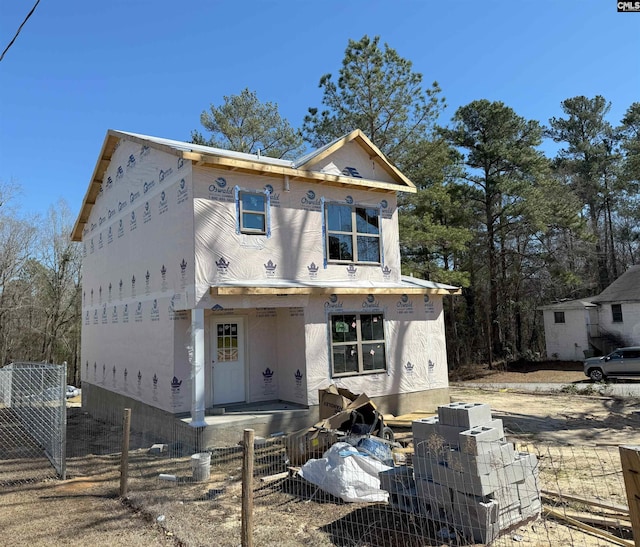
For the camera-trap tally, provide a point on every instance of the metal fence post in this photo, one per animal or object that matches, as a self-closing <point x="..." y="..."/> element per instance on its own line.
<point x="247" y="489"/>
<point x="124" y="460"/>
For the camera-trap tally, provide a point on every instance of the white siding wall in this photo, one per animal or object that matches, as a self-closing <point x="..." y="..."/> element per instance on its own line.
<point x="566" y="341"/>
<point x="629" y="329"/>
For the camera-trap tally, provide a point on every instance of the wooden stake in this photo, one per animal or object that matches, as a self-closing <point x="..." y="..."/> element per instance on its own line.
<point x="124" y="459"/>
<point x="630" y="458"/>
<point x="247" y="489"/>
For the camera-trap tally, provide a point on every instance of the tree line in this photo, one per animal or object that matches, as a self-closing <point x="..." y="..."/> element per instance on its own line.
<point x="494" y="214"/>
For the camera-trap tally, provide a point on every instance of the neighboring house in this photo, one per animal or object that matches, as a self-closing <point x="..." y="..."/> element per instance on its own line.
<point x="578" y="328"/>
<point x="212" y="277"/>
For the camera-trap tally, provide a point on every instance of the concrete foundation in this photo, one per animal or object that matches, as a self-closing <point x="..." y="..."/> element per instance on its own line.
<point x="224" y="427"/>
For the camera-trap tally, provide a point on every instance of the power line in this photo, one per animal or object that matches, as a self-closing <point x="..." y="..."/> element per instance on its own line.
<point x="20" y="28"/>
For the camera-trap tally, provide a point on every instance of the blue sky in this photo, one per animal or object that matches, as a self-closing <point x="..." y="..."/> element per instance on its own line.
<point x="79" y="68"/>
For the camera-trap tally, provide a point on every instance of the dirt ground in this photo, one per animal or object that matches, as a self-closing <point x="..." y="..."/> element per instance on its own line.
<point x="85" y="509"/>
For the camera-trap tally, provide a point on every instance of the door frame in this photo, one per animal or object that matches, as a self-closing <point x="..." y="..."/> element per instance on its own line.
<point x="211" y="328"/>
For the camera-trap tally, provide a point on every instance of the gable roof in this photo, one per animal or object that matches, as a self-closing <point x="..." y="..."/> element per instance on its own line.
<point x="624" y="289"/>
<point x="579" y="304"/>
<point x="247" y="163"/>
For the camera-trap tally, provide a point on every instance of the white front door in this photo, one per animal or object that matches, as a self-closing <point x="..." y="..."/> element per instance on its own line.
<point x="227" y="360"/>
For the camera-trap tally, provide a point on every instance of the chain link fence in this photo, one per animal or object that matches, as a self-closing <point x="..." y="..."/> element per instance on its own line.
<point x="33" y="420"/>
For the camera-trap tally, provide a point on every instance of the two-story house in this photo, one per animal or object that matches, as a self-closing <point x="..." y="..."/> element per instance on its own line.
<point x="576" y="329"/>
<point x="212" y="277"/>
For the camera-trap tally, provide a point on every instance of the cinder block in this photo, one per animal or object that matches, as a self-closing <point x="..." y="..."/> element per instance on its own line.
<point x="508" y="518"/>
<point x="506" y="496"/>
<point x="405" y="501"/>
<point x="480" y="440"/>
<point x="433" y="493"/>
<point x="465" y="415"/>
<point x="476" y="518"/>
<point x="503" y="453"/>
<point x="397" y="479"/>
<point x="528" y="489"/>
<point x="434" y="434"/>
<point x="532" y="510"/>
<point x="477" y="485"/>
<point x="428" y="468"/>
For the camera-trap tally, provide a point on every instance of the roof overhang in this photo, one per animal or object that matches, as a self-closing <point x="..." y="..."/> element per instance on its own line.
<point x="289" y="291"/>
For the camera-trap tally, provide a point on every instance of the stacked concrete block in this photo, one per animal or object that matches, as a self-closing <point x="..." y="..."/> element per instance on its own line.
<point x="468" y="474"/>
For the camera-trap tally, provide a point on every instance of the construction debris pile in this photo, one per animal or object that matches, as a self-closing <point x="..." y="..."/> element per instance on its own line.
<point x="465" y="474"/>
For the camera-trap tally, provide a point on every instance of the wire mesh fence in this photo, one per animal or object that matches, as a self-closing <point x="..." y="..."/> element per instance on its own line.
<point x="537" y="494"/>
<point x="32" y="421"/>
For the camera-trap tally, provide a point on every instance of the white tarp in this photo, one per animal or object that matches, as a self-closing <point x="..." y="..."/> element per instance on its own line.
<point x="347" y="473"/>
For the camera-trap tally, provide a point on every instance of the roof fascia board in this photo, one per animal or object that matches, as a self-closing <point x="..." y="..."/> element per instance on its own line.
<point x="104" y="158"/>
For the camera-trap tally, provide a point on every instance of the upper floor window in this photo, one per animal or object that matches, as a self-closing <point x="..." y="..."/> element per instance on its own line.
<point x="252" y="212"/>
<point x="353" y="233"/>
<point x="357" y="343"/>
<point x="616" y="312"/>
<point x="558" y="316"/>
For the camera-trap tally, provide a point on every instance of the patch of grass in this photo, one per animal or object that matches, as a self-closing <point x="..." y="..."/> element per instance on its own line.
<point x="573" y="389"/>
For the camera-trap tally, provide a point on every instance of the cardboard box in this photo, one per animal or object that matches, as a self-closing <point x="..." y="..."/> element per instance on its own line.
<point x="334" y="399"/>
<point x="309" y="443"/>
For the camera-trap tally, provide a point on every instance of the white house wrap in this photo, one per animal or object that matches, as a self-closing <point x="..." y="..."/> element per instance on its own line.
<point x="212" y="277"/>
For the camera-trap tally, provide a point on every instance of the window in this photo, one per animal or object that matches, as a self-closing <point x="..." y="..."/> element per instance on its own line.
<point x="353" y="233"/>
<point x="357" y="343"/>
<point x="252" y="213"/>
<point x="616" y="312"/>
<point x="558" y="316"/>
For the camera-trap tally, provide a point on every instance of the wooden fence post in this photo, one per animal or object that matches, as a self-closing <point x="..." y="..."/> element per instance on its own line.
<point x="247" y="489"/>
<point x="124" y="459"/>
<point x="630" y="458"/>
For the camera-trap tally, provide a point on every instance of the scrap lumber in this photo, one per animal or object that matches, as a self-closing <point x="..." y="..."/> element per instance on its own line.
<point x="587" y="528"/>
<point x="405" y="420"/>
<point x="595" y="503"/>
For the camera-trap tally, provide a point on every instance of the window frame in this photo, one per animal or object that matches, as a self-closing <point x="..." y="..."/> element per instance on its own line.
<point x="616" y="313"/>
<point x="264" y="213"/>
<point x="559" y="317"/>
<point x="359" y="342"/>
<point x="353" y="233"/>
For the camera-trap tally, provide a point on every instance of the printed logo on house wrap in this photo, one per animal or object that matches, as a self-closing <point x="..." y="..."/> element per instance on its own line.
<point x="333" y="303"/>
<point x="351" y="271"/>
<point x="110" y="235"/>
<point x="138" y="313"/>
<point x="147" y="283"/>
<point x="155" y="311"/>
<point x="222" y="266"/>
<point x="348" y="200"/>
<point x="270" y="268"/>
<point x="132" y="221"/>
<point x="408" y="367"/>
<point x="274" y="199"/>
<point x="313" y="270"/>
<point x="114" y="315"/>
<point x="164" y="174"/>
<point x="120" y="228"/>
<point x="146" y="214"/>
<point x="310" y="202"/>
<point x="163" y="205"/>
<point x="219" y="191"/>
<point x="404" y="306"/>
<point x="95" y="317"/>
<point x="144" y="151"/>
<point x="386" y="273"/>
<point x="183" y="191"/>
<point x="269" y="386"/>
<point x="385" y="210"/>
<point x="125" y="314"/>
<point x="100" y="241"/>
<point x="180" y="163"/>
<point x="148" y="186"/>
<point x="131" y="162"/>
<point x="370" y="302"/>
